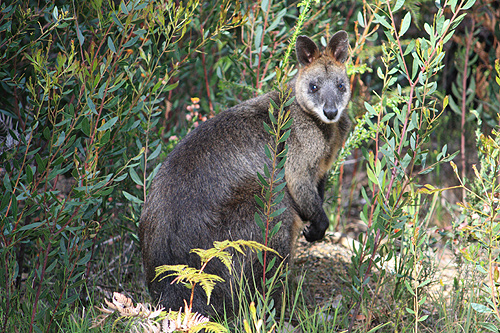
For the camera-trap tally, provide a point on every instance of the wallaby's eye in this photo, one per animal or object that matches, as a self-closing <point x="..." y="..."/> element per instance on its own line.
<point x="313" y="88"/>
<point x="341" y="87"/>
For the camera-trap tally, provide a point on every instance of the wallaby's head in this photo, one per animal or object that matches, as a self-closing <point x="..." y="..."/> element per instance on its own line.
<point x="322" y="86"/>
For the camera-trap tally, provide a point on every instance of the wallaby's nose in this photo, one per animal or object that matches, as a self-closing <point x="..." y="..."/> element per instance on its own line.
<point x="331" y="114"/>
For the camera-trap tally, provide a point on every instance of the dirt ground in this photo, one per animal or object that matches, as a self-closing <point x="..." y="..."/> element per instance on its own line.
<point x="329" y="260"/>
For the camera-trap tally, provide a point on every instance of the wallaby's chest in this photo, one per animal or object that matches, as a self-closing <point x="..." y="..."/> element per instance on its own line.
<point x="313" y="144"/>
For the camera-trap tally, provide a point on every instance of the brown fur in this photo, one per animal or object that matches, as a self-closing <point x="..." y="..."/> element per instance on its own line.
<point x="204" y="191"/>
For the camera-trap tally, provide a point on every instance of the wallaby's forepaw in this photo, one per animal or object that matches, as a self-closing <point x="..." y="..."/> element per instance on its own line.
<point x="312" y="233"/>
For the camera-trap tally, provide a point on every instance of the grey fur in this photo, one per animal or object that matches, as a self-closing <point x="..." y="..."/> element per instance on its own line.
<point x="204" y="191"/>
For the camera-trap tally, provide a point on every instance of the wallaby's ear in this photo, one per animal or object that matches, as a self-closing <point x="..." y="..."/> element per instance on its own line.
<point x="306" y="50"/>
<point x="338" y="46"/>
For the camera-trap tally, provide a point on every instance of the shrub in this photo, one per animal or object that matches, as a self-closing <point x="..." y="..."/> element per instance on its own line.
<point x="93" y="96"/>
<point x="82" y="92"/>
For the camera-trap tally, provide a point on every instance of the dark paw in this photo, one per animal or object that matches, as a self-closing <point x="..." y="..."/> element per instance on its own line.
<point x="312" y="233"/>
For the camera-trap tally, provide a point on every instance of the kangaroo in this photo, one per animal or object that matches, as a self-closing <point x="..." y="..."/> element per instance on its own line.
<point x="204" y="190"/>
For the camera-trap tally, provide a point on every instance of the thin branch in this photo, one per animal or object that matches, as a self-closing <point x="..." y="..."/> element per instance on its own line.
<point x="468" y="45"/>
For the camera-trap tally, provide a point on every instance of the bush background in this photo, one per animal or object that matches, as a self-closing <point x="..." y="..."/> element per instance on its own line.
<point x="93" y="96"/>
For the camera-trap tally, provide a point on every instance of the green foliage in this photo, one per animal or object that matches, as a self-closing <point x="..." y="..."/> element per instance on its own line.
<point x="402" y="116"/>
<point x="81" y="85"/>
<point x="257" y="324"/>
<point x="480" y="221"/>
<point x="94" y="94"/>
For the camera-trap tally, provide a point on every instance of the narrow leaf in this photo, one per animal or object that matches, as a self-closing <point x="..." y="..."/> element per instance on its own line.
<point x="108" y="124"/>
<point x="55" y="14"/>
<point x="283" y="153"/>
<point x="155" y="153"/>
<point x="269" y="267"/>
<point x="380" y="19"/>
<point x="273" y="105"/>
<point x="85" y="259"/>
<point x="361" y="19"/>
<point x="135" y="177"/>
<point x="111" y="45"/>
<point x="266" y="171"/>
<point x="131" y="42"/>
<point x="280" y="175"/>
<point x="132" y="198"/>
<point x="30" y="226"/>
<point x="171" y="86"/>
<point x="271" y="116"/>
<point x="287" y="125"/>
<point x="398" y="5"/>
<point x="258" y="221"/>
<point x="278" y="199"/>
<point x="289" y="102"/>
<point x="259" y="201"/>
<point x="284" y="137"/>
<point x="6" y="182"/>
<point x="275" y="229"/>
<point x="409" y="288"/>
<point x="481" y="308"/>
<point x="424" y="317"/>
<point x="279" y="187"/>
<point x="262" y="180"/>
<point x="469" y="4"/>
<point x="281" y="164"/>
<point x="123" y="8"/>
<point x="60" y="139"/>
<point x="489" y="326"/>
<point x="405" y="24"/>
<point x="268" y="152"/>
<point x="268" y="129"/>
<point x="81" y="39"/>
<point x="277" y="212"/>
<point x="264" y="5"/>
<point x="29" y="174"/>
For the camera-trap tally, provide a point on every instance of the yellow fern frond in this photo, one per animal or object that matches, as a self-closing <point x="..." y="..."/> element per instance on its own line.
<point x="219" y="250"/>
<point x="190" y="276"/>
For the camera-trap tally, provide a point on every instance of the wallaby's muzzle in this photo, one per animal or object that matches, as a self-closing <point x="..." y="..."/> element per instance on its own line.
<point x="331" y="114"/>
